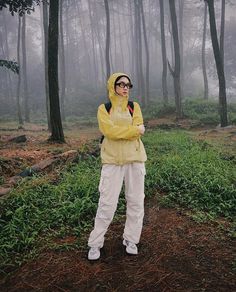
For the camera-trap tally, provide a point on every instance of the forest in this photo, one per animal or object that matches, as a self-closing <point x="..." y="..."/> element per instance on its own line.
<point x="56" y="58"/>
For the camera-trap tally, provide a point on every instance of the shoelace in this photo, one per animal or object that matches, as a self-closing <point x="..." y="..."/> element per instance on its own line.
<point x="132" y="245"/>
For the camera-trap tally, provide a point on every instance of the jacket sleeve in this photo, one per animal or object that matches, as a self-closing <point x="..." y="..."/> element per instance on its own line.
<point x="112" y="131"/>
<point x="137" y="115"/>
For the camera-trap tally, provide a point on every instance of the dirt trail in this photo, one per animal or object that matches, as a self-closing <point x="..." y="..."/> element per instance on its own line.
<point x="175" y="254"/>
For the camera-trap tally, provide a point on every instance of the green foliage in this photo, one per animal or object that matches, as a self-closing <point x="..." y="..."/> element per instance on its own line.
<point x="203" y="111"/>
<point x="36" y="209"/>
<point x="158" y="110"/>
<point x="19" y="6"/>
<point x="1" y="178"/>
<point x="13" y="66"/>
<point x="207" y="111"/>
<point x="191" y="173"/>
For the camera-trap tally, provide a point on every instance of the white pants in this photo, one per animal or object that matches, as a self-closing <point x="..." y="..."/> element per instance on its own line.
<point x="111" y="181"/>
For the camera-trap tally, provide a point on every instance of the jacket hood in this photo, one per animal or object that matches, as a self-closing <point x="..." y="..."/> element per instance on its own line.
<point x="113" y="96"/>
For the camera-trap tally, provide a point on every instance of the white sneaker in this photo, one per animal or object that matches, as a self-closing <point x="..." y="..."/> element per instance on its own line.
<point x="131" y="248"/>
<point x="94" y="253"/>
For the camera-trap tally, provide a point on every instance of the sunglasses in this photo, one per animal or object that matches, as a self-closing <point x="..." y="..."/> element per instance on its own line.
<point x="123" y="85"/>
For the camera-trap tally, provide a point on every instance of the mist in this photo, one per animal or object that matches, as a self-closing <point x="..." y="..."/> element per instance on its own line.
<point x="84" y="41"/>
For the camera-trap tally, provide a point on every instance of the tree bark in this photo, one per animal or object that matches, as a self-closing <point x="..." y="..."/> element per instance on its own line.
<point x="24" y="71"/>
<point x="20" y="120"/>
<point x="62" y="62"/>
<point x="57" y="134"/>
<point x="121" y="44"/>
<point x="222" y="31"/>
<point x="147" y="97"/>
<point x="45" y="30"/>
<point x="139" y="62"/>
<point x="107" y="38"/>
<point x="204" y="54"/>
<point x="163" y="50"/>
<point x="95" y="63"/>
<point x="181" y="14"/>
<point x="176" y="71"/>
<point x="7" y="55"/>
<point x="219" y="65"/>
<point x="85" y="46"/>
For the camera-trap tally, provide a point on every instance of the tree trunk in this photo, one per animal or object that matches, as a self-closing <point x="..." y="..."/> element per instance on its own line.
<point x="24" y="71"/>
<point x="101" y="50"/>
<point x="114" y="63"/>
<point x="147" y="97"/>
<point x="95" y="63"/>
<point x="45" y="30"/>
<point x="163" y="50"/>
<point x="3" y="77"/>
<point x="19" y="76"/>
<point x="107" y="38"/>
<point x="57" y="134"/>
<point x="176" y="71"/>
<point x="132" y="50"/>
<point x="181" y="13"/>
<point x="7" y="55"/>
<point x="204" y="54"/>
<point x="85" y="46"/>
<point x="139" y="62"/>
<point x="219" y="65"/>
<point x="222" y="31"/>
<point x="62" y="63"/>
<point x="121" y="44"/>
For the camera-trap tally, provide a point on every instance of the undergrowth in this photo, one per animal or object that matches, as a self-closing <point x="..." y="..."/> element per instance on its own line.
<point x="191" y="174"/>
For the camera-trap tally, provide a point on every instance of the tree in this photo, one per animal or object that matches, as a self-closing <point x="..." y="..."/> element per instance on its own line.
<point x="20" y="119"/>
<point x="219" y="65"/>
<point x="24" y="71"/>
<point x="19" y="6"/>
<point x="176" y="71"/>
<point x="11" y="65"/>
<point x="222" y="31"/>
<point x="107" y="38"/>
<point x="163" y="50"/>
<point x="147" y="52"/>
<point x="57" y="134"/>
<point x="95" y="63"/>
<point x="181" y="44"/>
<point x="62" y="62"/>
<point x="139" y="62"/>
<point x="204" y="54"/>
<point x="45" y="54"/>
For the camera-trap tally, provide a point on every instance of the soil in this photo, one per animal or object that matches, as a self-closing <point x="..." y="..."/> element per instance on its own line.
<point x="175" y="252"/>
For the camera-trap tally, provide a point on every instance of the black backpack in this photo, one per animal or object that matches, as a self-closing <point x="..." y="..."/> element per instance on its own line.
<point x="108" y="106"/>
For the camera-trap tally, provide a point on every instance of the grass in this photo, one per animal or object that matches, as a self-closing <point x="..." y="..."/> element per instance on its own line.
<point x="192" y="174"/>
<point x="202" y="112"/>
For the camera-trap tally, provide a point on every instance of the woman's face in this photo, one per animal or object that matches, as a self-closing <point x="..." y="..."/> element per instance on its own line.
<point x="121" y="88"/>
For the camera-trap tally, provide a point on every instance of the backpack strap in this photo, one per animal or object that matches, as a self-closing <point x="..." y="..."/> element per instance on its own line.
<point x="108" y="107"/>
<point x="130" y="106"/>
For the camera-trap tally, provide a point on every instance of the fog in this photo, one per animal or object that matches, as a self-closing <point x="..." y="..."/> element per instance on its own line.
<point x="84" y="39"/>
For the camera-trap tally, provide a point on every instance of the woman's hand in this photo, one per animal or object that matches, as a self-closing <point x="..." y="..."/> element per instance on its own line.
<point x="141" y="129"/>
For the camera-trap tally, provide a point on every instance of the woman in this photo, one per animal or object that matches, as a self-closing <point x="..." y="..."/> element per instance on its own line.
<point x="123" y="156"/>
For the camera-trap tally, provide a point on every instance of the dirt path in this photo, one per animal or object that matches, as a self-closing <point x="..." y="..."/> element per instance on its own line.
<point x="175" y="254"/>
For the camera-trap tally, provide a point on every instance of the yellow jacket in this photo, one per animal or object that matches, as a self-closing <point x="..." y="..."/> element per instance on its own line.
<point x="122" y="143"/>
